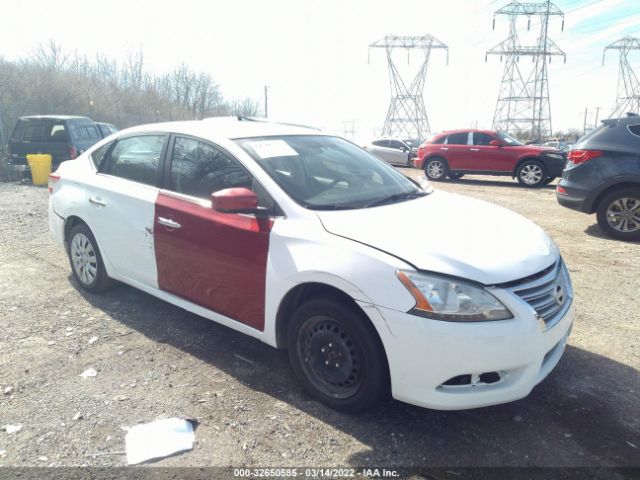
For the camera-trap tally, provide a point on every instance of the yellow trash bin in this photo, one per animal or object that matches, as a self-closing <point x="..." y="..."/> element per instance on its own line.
<point x="40" y="165"/>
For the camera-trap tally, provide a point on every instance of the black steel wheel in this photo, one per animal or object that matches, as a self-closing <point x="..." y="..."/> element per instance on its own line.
<point x="336" y="353"/>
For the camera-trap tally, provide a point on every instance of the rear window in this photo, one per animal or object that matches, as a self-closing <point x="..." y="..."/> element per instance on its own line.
<point x="43" y="132"/>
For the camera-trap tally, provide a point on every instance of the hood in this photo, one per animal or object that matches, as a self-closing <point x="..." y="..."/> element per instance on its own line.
<point x="450" y="234"/>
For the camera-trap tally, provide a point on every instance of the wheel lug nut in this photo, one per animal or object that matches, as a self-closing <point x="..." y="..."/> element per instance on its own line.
<point x="326" y="362"/>
<point x="337" y="365"/>
<point x="323" y="349"/>
<point x="330" y="344"/>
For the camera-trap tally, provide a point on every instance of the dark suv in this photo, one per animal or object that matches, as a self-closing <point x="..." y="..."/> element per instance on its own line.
<point x="602" y="176"/>
<point x="63" y="137"/>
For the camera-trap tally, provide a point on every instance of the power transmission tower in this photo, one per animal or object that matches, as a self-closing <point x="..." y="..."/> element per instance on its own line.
<point x="523" y="103"/>
<point x="628" y="99"/>
<point x="407" y="115"/>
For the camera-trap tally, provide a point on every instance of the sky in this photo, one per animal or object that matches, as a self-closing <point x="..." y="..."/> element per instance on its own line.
<point x="314" y="55"/>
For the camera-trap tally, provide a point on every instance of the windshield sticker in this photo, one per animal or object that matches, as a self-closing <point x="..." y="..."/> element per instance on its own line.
<point x="272" y="148"/>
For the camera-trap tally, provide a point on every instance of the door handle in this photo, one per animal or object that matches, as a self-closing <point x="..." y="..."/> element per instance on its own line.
<point x="167" y="222"/>
<point x="444" y="148"/>
<point x="97" y="201"/>
<point x="474" y="149"/>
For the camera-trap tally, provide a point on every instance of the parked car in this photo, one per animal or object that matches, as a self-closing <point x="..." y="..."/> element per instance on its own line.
<point x="106" y="129"/>
<point x="483" y="152"/>
<point x="394" y="151"/>
<point x="64" y="137"/>
<point x="555" y="144"/>
<point x="602" y="176"/>
<point x="307" y="242"/>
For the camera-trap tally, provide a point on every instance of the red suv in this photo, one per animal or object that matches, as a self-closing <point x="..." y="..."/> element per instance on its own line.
<point x="483" y="152"/>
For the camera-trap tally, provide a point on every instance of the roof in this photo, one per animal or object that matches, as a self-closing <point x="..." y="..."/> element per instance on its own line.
<point x="466" y="130"/>
<point x="225" y="127"/>
<point x="55" y="117"/>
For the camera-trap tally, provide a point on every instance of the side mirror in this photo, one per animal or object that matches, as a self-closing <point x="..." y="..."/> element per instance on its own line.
<point x="495" y="143"/>
<point x="404" y="149"/>
<point x="234" y="200"/>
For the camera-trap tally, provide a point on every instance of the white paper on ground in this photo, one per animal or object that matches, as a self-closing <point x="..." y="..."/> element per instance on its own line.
<point x="158" y="439"/>
<point x="272" y="148"/>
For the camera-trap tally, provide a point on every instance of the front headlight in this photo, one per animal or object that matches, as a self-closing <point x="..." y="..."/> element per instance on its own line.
<point x="451" y="299"/>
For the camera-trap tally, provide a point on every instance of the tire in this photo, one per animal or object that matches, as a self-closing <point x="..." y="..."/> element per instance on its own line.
<point x="455" y="175"/>
<point x="409" y="162"/>
<point x="549" y="180"/>
<point x="619" y="214"/>
<point x="86" y="261"/>
<point x="327" y="330"/>
<point x="532" y="173"/>
<point x="436" y="168"/>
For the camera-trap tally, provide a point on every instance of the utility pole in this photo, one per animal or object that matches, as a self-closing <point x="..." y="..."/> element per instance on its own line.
<point x="628" y="98"/>
<point x="595" y="124"/>
<point x="266" y="101"/>
<point x="584" y="126"/>
<point x="523" y="102"/>
<point x="407" y="114"/>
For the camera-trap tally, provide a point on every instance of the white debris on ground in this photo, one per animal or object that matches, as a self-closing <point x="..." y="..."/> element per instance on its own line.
<point x="11" y="429"/>
<point x="89" y="372"/>
<point x="158" y="439"/>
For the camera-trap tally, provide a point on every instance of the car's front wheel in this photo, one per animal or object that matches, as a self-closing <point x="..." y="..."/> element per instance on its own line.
<point x="532" y="174"/>
<point x="337" y="355"/>
<point x="85" y="259"/>
<point x="619" y="214"/>
<point x="436" y="168"/>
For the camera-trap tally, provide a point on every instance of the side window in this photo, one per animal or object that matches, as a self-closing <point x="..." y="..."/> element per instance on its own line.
<point x="458" y="138"/>
<point x="396" y="144"/>
<point x="482" y="138"/>
<point x="34" y="133"/>
<point x="92" y="132"/>
<point x="98" y="155"/>
<point x="439" y="141"/>
<point x="199" y="169"/>
<point x="634" y="129"/>
<point x="136" y="158"/>
<point x="57" y="133"/>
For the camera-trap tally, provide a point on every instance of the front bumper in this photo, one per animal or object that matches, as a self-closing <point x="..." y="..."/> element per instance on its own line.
<point x="423" y="354"/>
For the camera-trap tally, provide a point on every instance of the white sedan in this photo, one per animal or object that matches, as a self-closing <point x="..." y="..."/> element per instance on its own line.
<point x="375" y="284"/>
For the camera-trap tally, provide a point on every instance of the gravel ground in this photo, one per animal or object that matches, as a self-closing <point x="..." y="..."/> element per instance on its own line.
<point x="156" y="361"/>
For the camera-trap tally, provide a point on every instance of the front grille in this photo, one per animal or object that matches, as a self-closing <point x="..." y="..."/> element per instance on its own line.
<point x="549" y="294"/>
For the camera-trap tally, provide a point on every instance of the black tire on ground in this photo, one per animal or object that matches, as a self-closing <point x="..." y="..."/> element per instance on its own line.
<point x="337" y="355"/>
<point x="409" y="161"/>
<point x="532" y="173"/>
<point x="455" y="175"/>
<point x="619" y="214"/>
<point x="436" y="168"/>
<point x="549" y="180"/>
<point x="86" y="261"/>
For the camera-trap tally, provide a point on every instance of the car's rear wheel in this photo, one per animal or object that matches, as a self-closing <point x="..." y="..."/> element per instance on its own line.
<point x="86" y="261"/>
<point x="455" y="175"/>
<point x="532" y="174"/>
<point x="337" y="355"/>
<point x="619" y="214"/>
<point x="549" y="180"/>
<point x="436" y="168"/>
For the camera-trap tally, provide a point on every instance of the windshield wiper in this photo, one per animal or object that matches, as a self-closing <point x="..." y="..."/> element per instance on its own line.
<point x="396" y="197"/>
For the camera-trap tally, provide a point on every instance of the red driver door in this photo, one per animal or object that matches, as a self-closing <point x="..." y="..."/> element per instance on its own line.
<point x="216" y="260"/>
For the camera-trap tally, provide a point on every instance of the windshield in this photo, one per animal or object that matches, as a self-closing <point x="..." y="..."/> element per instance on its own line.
<point x="329" y="173"/>
<point x="509" y="140"/>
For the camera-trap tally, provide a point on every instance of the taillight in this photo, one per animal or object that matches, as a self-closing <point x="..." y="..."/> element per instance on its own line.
<point x="53" y="179"/>
<point x="576" y="157"/>
<point x="73" y="153"/>
<point x="561" y="190"/>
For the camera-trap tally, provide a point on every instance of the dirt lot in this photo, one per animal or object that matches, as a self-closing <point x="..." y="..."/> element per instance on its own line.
<point x="155" y="360"/>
